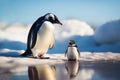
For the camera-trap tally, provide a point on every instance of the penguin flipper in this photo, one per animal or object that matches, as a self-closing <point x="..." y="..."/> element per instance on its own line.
<point x="34" y="29"/>
<point x="34" y="38"/>
<point x="52" y="43"/>
<point x="78" y="50"/>
<point x="66" y="52"/>
<point x="30" y="41"/>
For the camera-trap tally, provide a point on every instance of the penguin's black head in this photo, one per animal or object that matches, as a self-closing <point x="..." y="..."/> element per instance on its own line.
<point x="71" y="42"/>
<point x="52" y="18"/>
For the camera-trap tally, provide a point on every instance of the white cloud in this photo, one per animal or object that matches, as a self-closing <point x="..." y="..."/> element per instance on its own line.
<point x="15" y="32"/>
<point x="72" y="28"/>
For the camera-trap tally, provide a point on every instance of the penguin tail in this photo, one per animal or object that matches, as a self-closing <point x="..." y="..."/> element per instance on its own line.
<point x="23" y="54"/>
<point x="27" y="53"/>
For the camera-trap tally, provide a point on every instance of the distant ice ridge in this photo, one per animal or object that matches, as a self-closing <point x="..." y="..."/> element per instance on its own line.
<point x="108" y="33"/>
<point x="14" y="36"/>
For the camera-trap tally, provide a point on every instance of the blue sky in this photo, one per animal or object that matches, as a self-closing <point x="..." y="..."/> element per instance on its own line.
<point x="92" y="11"/>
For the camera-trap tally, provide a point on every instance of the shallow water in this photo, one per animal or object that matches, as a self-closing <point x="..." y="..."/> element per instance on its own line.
<point x="70" y="70"/>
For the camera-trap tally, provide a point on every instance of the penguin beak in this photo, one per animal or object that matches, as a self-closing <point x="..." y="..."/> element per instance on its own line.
<point x="60" y="23"/>
<point x="57" y="21"/>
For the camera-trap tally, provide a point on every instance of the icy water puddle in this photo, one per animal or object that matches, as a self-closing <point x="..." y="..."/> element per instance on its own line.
<point x="72" y="70"/>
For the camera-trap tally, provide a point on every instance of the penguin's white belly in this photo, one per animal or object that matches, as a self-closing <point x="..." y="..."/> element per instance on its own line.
<point x="44" y="37"/>
<point x="72" y="53"/>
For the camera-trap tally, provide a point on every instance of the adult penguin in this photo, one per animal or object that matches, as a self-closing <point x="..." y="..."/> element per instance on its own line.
<point x="41" y="36"/>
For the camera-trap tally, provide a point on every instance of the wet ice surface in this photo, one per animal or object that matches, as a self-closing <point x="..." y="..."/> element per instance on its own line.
<point x="69" y="70"/>
<point x="91" y="66"/>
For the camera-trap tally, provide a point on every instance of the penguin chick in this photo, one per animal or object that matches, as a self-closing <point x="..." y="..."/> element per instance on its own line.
<point x="72" y="51"/>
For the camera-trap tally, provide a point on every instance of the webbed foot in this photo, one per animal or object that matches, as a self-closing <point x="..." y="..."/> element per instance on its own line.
<point x="41" y="57"/>
<point x="44" y="57"/>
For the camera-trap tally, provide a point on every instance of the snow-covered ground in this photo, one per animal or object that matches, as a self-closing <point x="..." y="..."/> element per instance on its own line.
<point x="12" y="62"/>
<point x="103" y="44"/>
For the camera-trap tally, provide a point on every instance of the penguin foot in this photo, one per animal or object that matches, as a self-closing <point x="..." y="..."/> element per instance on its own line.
<point x="44" y="57"/>
<point x="36" y="57"/>
<point x="72" y="59"/>
<point x="41" y="57"/>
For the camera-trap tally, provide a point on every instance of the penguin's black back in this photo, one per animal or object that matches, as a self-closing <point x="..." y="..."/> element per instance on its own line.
<point x="32" y="35"/>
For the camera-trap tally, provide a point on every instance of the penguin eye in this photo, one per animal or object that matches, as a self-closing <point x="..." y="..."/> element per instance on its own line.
<point x="51" y="18"/>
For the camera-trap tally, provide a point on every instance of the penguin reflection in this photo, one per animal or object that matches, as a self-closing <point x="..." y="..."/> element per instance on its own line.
<point x="72" y="68"/>
<point x="42" y="72"/>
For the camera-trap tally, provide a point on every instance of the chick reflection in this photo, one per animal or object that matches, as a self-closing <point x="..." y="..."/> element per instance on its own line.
<point x="72" y="68"/>
<point x="42" y="72"/>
